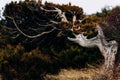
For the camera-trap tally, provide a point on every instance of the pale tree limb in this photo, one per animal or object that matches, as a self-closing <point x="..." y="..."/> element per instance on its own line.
<point x="29" y="36"/>
<point x="60" y="13"/>
<point x="108" y="49"/>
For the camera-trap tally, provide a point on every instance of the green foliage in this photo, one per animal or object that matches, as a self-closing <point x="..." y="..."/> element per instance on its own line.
<point x="15" y="62"/>
<point x="25" y="58"/>
<point x="29" y="16"/>
<point x="88" y="26"/>
<point x="78" y="57"/>
<point x="105" y="12"/>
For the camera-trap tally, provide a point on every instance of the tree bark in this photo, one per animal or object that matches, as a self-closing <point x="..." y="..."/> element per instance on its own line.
<point x="107" y="49"/>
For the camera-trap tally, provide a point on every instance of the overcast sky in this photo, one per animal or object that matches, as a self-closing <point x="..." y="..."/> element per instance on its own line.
<point x="89" y="6"/>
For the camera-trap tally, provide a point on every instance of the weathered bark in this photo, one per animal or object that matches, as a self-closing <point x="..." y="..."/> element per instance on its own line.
<point x="108" y="50"/>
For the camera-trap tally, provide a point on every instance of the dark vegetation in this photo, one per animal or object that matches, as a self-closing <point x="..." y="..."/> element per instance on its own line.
<point x="112" y="30"/>
<point x="24" y="58"/>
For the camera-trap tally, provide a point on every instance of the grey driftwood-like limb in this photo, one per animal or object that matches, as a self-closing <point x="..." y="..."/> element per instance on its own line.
<point x="29" y="36"/>
<point x="108" y="49"/>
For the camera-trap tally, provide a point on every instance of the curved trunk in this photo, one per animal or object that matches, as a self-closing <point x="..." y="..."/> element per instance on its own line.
<point x="107" y="49"/>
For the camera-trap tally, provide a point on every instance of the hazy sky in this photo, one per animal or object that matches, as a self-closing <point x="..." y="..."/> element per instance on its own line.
<point x="89" y="6"/>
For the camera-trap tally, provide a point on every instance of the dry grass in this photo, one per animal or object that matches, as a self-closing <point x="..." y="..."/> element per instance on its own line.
<point x="82" y="74"/>
<point x="74" y="74"/>
<point x="91" y="73"/>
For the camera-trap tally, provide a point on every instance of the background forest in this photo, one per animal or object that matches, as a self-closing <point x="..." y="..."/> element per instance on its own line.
<point x="23" y="58"/>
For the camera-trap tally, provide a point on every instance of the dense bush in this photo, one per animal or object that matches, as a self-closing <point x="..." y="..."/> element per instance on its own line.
<point x="32" y="20"/>
<point x="112" y="30"/>
<point x="25" y="58"/>
<point x="77" y="57"/>
<point x="15" y="62"/>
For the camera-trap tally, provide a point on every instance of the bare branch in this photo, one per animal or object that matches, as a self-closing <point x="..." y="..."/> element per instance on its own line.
<point x="74" y="19"/>
<point x="8" y="28"/>
<point x="83" y="19"/>
<point x="29" y="36"/>
<point x="54" y="22"/>
<point x="44" y="25"/>
<point x="100" y="31"/>
<point x="76" y="27"/>
<point x="60" y="13"/>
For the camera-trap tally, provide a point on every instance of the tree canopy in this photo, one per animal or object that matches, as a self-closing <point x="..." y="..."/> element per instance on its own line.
<point x="51" y="51"/>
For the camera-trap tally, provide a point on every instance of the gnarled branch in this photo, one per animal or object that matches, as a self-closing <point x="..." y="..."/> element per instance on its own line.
<point x="60" y="13"/>
<point x="108" y="49"/>
<point x="29" y="36"/>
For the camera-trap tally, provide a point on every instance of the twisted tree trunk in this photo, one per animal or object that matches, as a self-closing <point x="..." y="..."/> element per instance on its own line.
<point x="108" y="50"/>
